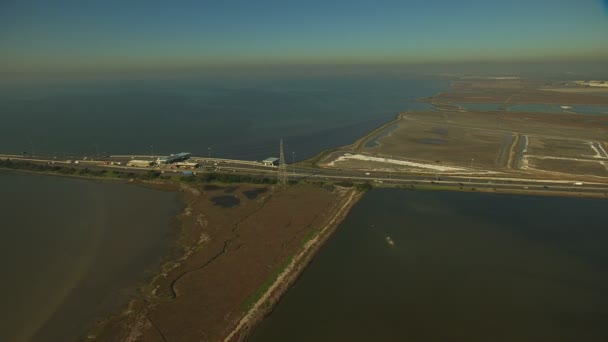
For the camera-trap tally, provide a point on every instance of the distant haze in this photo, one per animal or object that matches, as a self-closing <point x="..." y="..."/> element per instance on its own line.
<point x="116" y="35"/>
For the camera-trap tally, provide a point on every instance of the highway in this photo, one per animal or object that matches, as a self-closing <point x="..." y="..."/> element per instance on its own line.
<point x="378" y="178"/>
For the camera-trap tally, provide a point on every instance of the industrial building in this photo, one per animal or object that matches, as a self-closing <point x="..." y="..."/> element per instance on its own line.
<point x="186" y="165"/>
<point x="139" y="163"/>
<point x="174" y="158"/>
<point x="272" y="161"/>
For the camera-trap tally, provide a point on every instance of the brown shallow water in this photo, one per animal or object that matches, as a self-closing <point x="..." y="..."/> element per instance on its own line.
<point x="74" y="250"/>
<point x="463" y="267"/>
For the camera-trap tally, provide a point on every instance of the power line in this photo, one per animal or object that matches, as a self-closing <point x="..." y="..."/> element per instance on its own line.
<point x="282" y="174"/>
<point x="31" y="145"/>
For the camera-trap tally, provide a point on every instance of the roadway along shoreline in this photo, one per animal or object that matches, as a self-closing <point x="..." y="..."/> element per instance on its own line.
<point x="384" y="179"/>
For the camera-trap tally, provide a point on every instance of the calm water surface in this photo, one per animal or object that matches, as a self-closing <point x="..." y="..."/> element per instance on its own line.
<point x="231" y="118"/>
<point x="74" y="250"/>
<point x="464" y="267"/>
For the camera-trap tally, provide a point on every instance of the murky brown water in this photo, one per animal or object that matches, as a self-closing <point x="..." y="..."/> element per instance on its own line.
<point x="73" y="250"/>
<point x="463" y="267"/>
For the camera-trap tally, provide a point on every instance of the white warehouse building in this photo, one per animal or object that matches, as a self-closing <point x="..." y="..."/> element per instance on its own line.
<point x="272" y="161"/>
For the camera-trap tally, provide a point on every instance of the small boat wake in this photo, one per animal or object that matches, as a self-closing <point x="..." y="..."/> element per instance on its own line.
<point x="390" y="241"/>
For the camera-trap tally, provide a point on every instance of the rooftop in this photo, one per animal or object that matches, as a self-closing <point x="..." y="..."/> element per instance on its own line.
<point x="175" y="156"/>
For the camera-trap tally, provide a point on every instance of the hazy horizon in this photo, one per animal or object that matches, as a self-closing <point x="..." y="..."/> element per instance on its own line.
<point x="113" y="36"/>
<point x="561" y="70"/>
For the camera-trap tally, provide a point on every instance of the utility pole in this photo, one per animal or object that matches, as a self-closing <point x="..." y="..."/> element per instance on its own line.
<point x="97" y="151"/>
<point x="293" y="163"/>
<point x="31" y="145"/>
<point x="209" y="152"/>
<point x="152" y="150"/>
<point x="472" y="159"/>
<point x="282" y="171"/>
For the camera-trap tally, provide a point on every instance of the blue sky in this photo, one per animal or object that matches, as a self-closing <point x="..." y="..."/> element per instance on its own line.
<point x="112" y="34"/>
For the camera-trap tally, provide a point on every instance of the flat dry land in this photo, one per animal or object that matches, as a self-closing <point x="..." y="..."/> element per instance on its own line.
<point x="235" y="240"/>
<point x="579" y="167"/>
<point x="523" y="96"/>
<point x="515" y="92"/>
<point x="454" y="140"/>
<point x="485" y="84"/>
<point x="525" y="144"/>
<point x="589" y="90"/>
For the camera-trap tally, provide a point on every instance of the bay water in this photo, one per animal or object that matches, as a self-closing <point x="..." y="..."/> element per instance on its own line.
<point x="411" y="265"/>
<point x="74" y="250"/>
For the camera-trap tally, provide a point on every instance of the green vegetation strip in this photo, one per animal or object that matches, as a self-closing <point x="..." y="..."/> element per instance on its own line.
<point x="202" y="177"/>
<point x="117" y="174"/>
<point x="311" y="234"/>
<point x="254" y="297"/>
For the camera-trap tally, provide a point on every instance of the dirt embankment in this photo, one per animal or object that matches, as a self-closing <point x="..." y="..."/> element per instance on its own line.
<point x="330" y="154"/>
<point x="234" y="240"/>
<point x="287" y="277"/>
<point x="359" y="143"/>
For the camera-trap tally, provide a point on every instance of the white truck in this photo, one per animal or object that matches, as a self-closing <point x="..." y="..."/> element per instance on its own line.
<point x="578" y="183"/>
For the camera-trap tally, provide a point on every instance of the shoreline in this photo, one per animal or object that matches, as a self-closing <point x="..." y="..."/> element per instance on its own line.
<point x="166" y="184"/>
<point x="298" y="262"/>
<point x="138" y="315"/>
<point x="288" y="277"/>
<point x="152" y="249"/>
<point x="265" y="304"/>
<point x="524" y="192"/>
<point x="355" y="145"/>
<point x="56" y="174"/>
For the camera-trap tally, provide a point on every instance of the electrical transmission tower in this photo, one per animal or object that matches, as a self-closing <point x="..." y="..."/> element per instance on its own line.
<point x="282" y="174"/>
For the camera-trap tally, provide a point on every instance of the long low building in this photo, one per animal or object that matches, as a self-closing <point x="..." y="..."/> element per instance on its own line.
<point x="174" y="158"/>
<point x="187" y="165"/>
<point x="139" y="163"/>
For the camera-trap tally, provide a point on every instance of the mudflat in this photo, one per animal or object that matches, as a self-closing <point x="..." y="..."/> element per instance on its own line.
<point x="496" y="137"/>
<point x="517" y="91"/>
<point x="229" y="254"/>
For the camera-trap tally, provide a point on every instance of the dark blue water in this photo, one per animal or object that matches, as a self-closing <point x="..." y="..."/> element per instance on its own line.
<point x="70" y="245"/>
<point x="230" y="118"/>
<point x="463" y="267"/>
